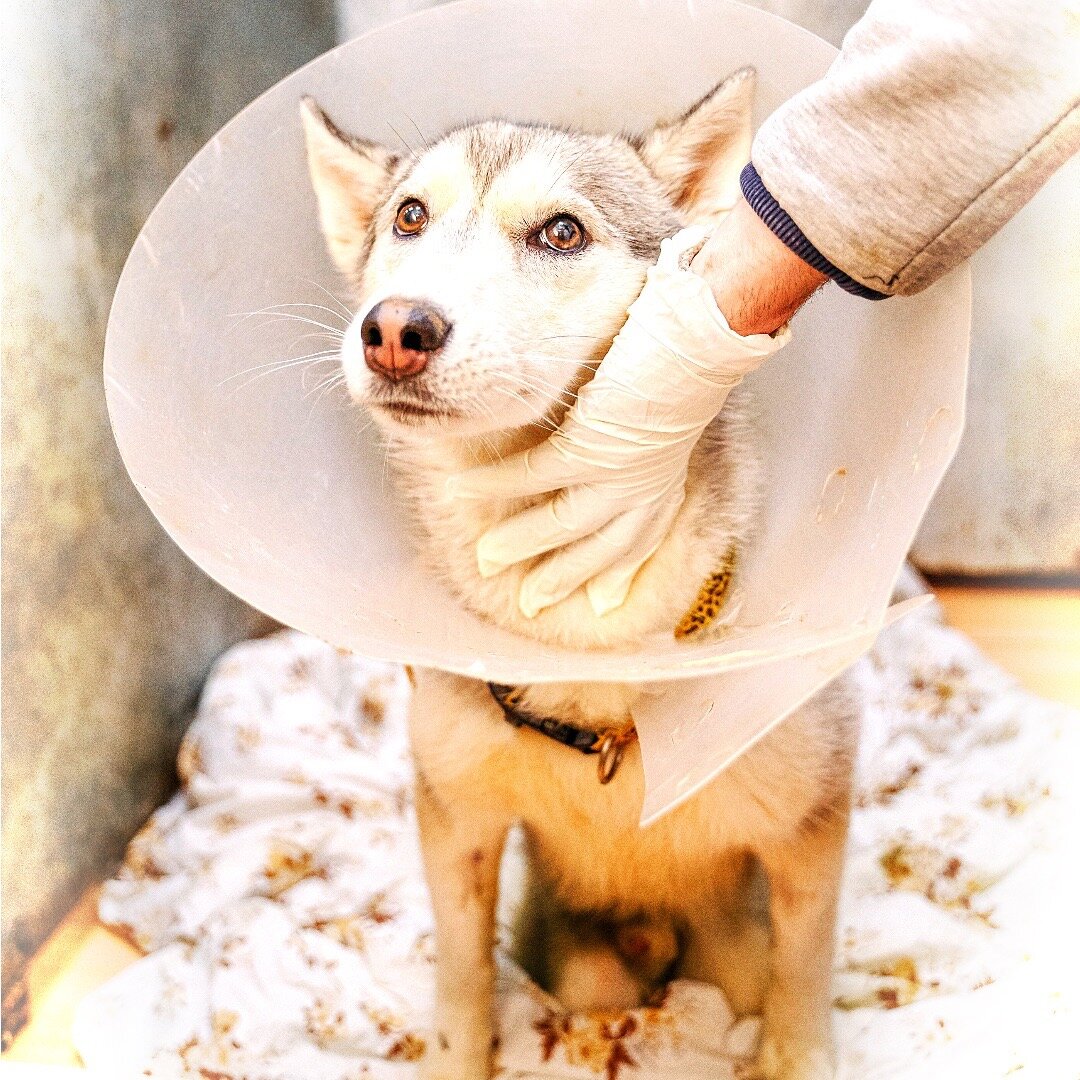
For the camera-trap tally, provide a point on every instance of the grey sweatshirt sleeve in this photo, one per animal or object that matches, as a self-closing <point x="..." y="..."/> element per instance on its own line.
<point x="936" y="123"/>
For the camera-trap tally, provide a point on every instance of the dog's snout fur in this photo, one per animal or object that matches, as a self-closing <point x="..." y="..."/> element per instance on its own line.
<point x="399" y="336"/>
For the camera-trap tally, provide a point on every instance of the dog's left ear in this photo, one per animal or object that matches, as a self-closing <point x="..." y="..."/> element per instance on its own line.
<point x="350" y="177"/>
<point x="698" y="157"/>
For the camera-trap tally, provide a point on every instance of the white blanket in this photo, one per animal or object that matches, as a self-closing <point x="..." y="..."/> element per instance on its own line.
<point x="280" y="898"/>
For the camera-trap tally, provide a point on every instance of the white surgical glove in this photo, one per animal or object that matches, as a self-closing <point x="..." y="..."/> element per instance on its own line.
<point x="618" y="462"/>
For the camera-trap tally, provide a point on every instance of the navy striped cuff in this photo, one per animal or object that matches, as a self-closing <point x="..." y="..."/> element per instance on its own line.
<point x="774" y="215"/>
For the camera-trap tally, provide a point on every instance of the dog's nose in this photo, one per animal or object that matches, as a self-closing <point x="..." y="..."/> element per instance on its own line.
<point x="400" y="335"/>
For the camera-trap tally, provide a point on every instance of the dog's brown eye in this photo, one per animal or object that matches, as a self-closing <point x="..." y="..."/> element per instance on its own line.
<point x="563" y="234"/>
<point x="411" y="217"/>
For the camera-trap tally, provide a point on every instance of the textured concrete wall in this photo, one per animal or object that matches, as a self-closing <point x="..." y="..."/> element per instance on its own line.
<point x="830" y="19"/>
<point x="1010" y="504"/>
<point x="355" y="17"/>
<point x="107" y="629"/>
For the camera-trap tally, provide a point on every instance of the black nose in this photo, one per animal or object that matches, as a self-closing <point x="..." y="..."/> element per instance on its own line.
<point x="400" y="335"/>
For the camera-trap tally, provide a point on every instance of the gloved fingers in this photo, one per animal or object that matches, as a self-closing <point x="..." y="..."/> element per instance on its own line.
<point x="571" y="514"/>
<point x="557" y="576"/>
<point x="608" y="589"/>
<point x="542" y="469"/>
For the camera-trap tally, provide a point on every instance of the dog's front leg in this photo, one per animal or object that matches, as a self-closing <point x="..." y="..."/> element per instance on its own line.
<point x="804" y="880"/>
<point x="462" y="849"/>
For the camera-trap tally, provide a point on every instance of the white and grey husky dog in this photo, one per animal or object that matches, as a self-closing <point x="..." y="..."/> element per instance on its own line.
<point x="493" y="269"/>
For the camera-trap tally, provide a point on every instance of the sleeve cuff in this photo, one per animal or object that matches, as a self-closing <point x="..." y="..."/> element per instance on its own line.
<point x="776" y="218"/>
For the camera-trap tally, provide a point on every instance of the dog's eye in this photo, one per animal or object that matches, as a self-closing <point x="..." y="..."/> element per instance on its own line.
<point x="563" y="234"/>
<point x="411" y="217"/>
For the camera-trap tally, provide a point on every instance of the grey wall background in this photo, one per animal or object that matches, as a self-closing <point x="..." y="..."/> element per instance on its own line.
<point x="1010" y="503"/>
<point x="355" y="17"/>
<point x="108" y="630"/>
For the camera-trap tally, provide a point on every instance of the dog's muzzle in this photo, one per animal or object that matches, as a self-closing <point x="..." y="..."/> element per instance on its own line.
<point x="400" y="336"/>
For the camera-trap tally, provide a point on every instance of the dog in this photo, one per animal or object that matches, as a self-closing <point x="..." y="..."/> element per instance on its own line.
<point x="492" y="270"/>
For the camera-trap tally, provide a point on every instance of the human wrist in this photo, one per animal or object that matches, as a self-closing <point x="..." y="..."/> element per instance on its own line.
<point x="676" y="353"/>
<point x="757" y="282"/>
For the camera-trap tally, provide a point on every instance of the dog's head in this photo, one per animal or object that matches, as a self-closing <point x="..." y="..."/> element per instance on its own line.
<point x="494" y="267"/>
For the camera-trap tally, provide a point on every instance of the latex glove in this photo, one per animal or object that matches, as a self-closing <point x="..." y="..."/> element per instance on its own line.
<point x="618" y="462"/>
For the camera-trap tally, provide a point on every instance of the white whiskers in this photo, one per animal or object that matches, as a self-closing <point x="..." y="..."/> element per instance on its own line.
<point x="324" y="331"/>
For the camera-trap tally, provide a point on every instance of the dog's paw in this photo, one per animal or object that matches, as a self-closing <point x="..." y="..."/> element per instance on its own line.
<point x="796" y="1060"/>
<point x="455" y="1069"/>
<point x="446" y="1071"/>
<point x="445" y="1061"/>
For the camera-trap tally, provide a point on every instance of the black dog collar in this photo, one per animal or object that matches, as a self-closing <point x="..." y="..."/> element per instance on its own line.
<point x="609" y="743"/>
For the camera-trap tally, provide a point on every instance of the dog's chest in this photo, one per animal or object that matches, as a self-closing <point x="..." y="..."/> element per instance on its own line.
<point x="587" y="843"/>
<point x="585" y="836"/>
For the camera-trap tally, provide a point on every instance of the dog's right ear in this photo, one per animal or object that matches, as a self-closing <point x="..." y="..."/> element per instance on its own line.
<point x="698" y="157"/>
<point x="350" y="177"/>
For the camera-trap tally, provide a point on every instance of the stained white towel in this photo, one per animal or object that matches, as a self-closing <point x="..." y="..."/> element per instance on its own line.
<point x="281" y="900"/>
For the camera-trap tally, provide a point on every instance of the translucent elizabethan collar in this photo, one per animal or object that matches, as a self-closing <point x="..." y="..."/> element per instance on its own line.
<point x="273" y="484"/>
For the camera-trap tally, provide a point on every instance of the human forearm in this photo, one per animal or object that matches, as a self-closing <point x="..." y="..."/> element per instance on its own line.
<point x="757" y="281"/>
<point x="937" y="122"/>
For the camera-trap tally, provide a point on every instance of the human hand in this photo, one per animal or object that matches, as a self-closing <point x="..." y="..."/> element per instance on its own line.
<point x="618" y="463"/>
